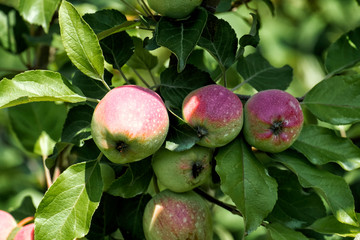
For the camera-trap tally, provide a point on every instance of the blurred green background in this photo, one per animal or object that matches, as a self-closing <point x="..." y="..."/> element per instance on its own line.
<point x="298" y="34"/>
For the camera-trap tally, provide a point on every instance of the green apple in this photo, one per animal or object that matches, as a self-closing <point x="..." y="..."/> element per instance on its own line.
<point x="129" y="124"/>
<point x="177" y="216"/>
<point x="182" y="171"/>
<point x="215" y="113"/>
<point x="7" y="224"/>
<point x="273" y="120"/>
<point x="174" y="8"/>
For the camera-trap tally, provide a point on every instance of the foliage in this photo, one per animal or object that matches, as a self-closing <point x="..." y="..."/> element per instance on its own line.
<point x="59" y="58"/>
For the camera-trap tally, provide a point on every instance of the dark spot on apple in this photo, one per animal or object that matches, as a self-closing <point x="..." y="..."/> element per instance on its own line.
<point x="276" y="127"/>
<point x="201" y="132"/>
<point x="121" y="146"/>
<point x="197" y="168"/>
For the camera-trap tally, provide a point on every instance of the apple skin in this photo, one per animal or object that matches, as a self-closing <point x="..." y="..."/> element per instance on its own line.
<point x="215" y="112"/>
<point x="177" y="9"/>
<point x="7" y="224"/>
<point x="177" y="216"/>
<point x="273" y="120"/>
<point x="26" y="232"/>
<point x="182" y="171"/>
<point x="129" y="124"/>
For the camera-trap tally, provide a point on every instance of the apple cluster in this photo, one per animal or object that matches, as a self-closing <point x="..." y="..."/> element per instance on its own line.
<point x="9" y="229"/>
<point x="131" y="123"/>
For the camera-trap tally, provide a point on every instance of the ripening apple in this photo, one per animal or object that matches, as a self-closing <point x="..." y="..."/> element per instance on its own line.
<point x="174" y="8"/>
<point x="215" y="113"/>
<point x="26" y="232"/>
<point x="7" y="224"/>
<point x="182" y="171"/>
<point x="273" y="120"/>
<point x="177" y="216"/>
<point x="129" y="124"/>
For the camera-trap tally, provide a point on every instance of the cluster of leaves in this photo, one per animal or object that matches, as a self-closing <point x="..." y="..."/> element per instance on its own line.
<point x="306" y="192"/>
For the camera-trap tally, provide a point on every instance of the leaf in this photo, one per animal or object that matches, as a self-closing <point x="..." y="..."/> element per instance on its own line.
<point x="66" y="210"/>
<point x="134" y="181"/>
<point x="259" y="73"/>
<point x="37" y="85"/>
<point x="332" y="188"/>
<point x="336" y="100"/>
<point x="117" y="46"/>
<point x="246" y="181"/>
<point x="130" y="216"/>
<point x="251" y="39"/>
<point x="89" y="86"/>
<point x="321" y="145"/>
<point x="176" y="86"/>
<point x="219" y="39"/>
<point x="181" y="137"/>
<point x="330" y="225"/>
<point x="280" y="232"/>
<point x="180" y="37"/>
<point x="344" y="53"/>
<point x="80" y="42"/>
<point x="12" y="30"/>
<point x="30" y="129"/>
<point x="26" y="209"/>
<point x="142" y="58"/>
<point x="39" y="12"/>
<point x="295" y="207"/>
<point x="77" y="127"/>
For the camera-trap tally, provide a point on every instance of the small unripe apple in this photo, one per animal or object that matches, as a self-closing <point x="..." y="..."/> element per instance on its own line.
<point x="7" y="224"/>
<point x="129" y="124"/>
<point x="26" y="232"/>
<point x="177" y="216"/>
<point x="174" y="8"/>
<point x="215" y="113"/>
<point x="182" y="171"/>
<point x="273" y="120"/>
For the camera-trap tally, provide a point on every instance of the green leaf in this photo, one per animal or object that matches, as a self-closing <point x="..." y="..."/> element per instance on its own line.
<point x="118" y="46"/>
<point x="251" y="39"/>
<point x="336" y="100"/>
<point x="321" y="145"/>
<point x="39" y="12"/>
<point x="12" y="30"/>
<point x="332" y="188"/>
<point x="246" y="181"/>
<point x="219" y="39"/>
<point x="66" y="210"/>
<point x="26" y="209"/>
<point x="181" y="137"/>
<point x="330" y="225"/>
<point x="142" y="58"/>
<point x="130" y="216"/>
<point x="134" y="181"/>
<point x="176" y="86"/>
<point x="77" y="127"/>
<point x="80" y="42"/>
<point x="344" y="53"/>
<point x="295" y="207"/>
<point x="277" y="231"/>
<point x="33" y="128"/>
<point x="180" y="37"/>
<point x="259" y="73"/>
<point x="88" y="86"/>
<point x="37" y="85"/>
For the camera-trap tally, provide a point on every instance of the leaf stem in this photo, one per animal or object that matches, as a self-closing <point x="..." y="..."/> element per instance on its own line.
<point x="105" y="84"/>
<point x="141" y="78"/>
<point x="92" y="100"/>
<point x="47" y="173"/>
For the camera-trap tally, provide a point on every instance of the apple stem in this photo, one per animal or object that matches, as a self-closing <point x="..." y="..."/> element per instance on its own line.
<point x="25" y="221"/>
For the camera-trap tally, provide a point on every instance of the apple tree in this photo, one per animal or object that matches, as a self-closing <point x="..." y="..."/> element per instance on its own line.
<point x="246" y="113"/>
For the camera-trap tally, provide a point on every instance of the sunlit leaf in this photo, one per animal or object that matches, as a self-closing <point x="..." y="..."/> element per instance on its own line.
<point x="280" y="232"/>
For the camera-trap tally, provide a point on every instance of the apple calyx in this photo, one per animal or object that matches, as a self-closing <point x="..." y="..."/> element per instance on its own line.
<point x="277" y="127"/>
<point x="121" y="146"/>
<point x="197" y="168"/>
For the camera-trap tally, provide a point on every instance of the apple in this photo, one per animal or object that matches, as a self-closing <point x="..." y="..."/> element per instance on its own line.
<point x="182" y="171"/>
<point x="273" y="120"/>
<point x="7" y="224"/>
<point x="26" y="232"/>
<point x="215" y="113"/>
<point x="177" y="216"/>
<point x="177" y="9"/>
<point x="129" y="124"/>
